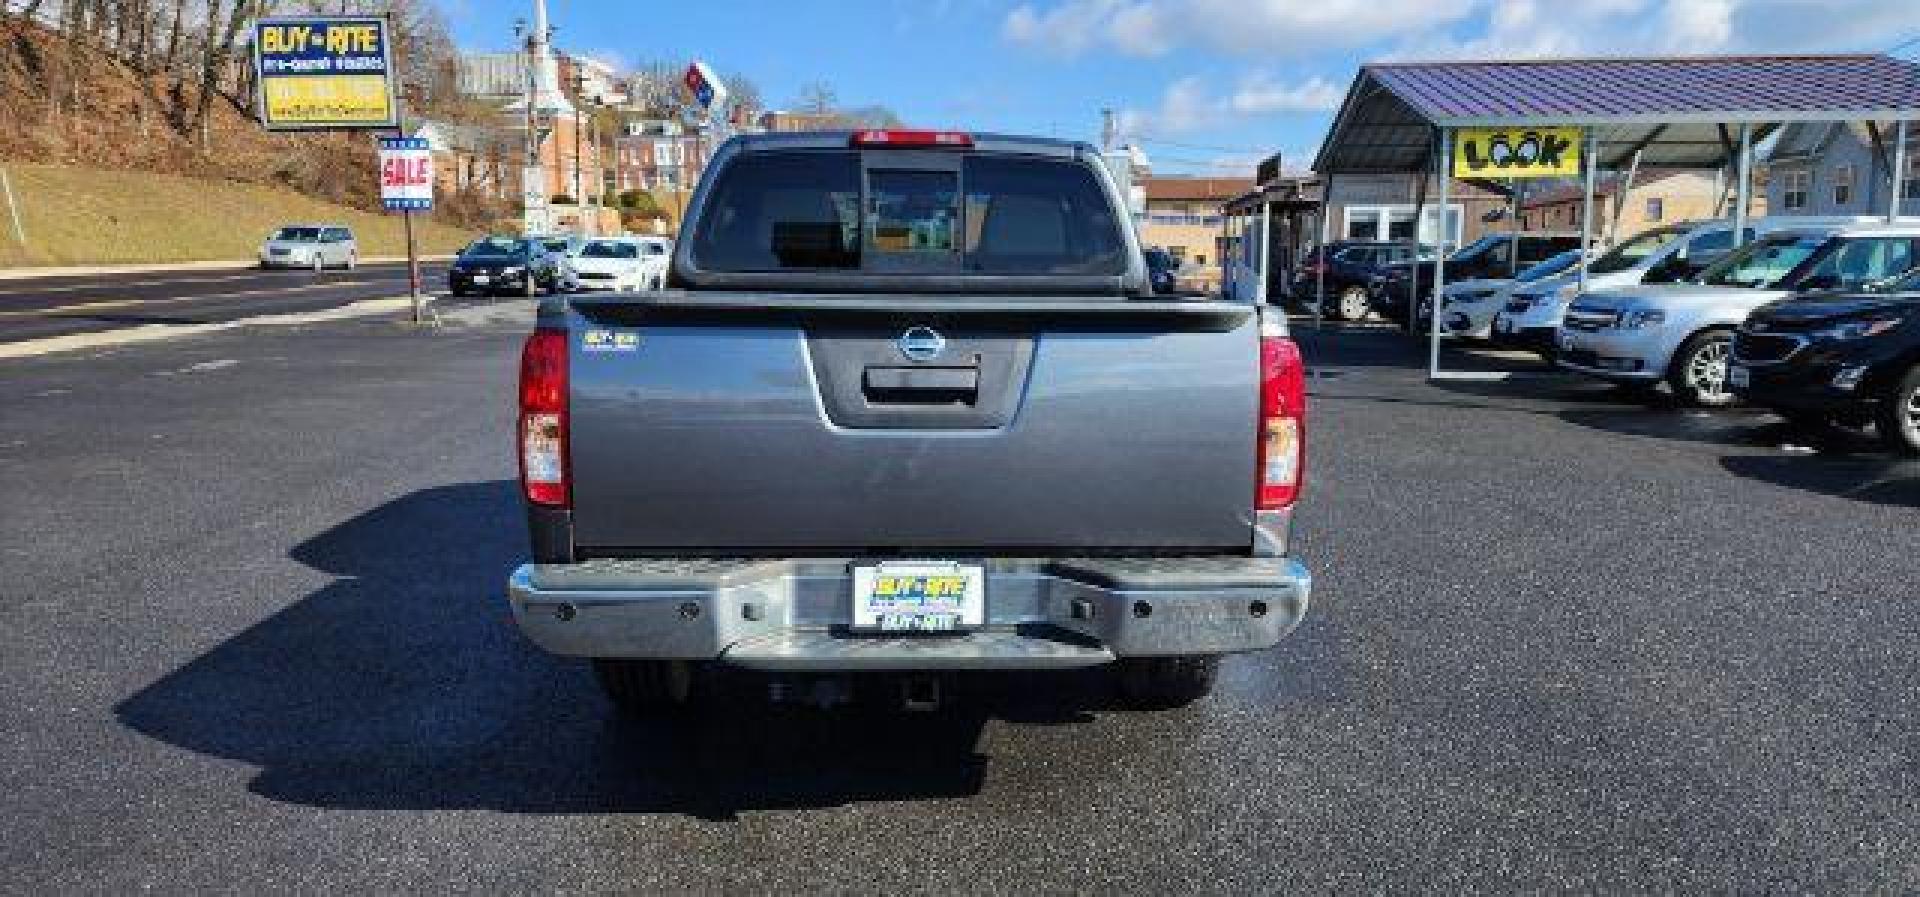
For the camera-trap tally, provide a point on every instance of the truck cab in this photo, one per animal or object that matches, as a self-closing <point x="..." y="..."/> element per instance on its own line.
<point x="908" y="406"/>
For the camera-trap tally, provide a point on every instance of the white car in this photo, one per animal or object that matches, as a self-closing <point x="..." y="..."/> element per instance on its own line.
<point x="1470" y="305"/>
<point x="314" y="246"/>
<point x="1683" y="333"/>
<point x="622" y="263"/>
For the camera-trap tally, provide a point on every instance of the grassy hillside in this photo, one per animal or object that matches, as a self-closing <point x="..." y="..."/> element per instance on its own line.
<point x="88" y="216"/>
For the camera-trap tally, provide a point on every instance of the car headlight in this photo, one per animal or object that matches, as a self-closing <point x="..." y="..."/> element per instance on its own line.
<point x="1858" y="329"/>
<point x="1640" y="318"/>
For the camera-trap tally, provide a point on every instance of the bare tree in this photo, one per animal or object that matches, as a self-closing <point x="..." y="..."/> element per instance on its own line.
<point x="818" y="98"/>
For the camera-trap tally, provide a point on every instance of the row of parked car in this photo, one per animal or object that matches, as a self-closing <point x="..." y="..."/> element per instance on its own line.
<point x="517" y="265"/>
<point x="1817" y="319"/>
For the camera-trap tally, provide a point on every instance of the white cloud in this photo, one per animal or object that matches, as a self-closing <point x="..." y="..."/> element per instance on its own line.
<point x="1185" y="107"/>
<point x="1535" y="28"/>
<point x="1259" y="94"/>
<point x="1188" y="105"/>
<point x="1461" y="29"/>
<point x="1268" y="27"/>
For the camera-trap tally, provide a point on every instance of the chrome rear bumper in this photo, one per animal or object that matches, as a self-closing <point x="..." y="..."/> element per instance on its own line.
<point x="791" y="615"/>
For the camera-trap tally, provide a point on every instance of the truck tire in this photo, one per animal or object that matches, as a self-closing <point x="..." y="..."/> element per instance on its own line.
<point x="1352" y="304"/>
<point x="1698" y="373"/>
<point x="1898" y="415"/>
<point x="648" y="687"/>
<point x="1164" y="683"/>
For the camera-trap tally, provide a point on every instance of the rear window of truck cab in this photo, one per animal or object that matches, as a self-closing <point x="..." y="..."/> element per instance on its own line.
<point x="826" y="211"/>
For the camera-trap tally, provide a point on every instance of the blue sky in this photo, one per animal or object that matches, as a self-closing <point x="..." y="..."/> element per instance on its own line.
<point x="1205" y="86"/>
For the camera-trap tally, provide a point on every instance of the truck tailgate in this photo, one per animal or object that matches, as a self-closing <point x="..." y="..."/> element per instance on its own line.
<point x="799" y="426"/>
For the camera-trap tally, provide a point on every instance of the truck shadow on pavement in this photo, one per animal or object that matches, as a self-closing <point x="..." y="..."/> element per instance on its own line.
<point x="402" y="684"/>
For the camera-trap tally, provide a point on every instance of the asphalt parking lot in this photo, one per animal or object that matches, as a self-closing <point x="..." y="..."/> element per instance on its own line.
<point x="254" y="638"/>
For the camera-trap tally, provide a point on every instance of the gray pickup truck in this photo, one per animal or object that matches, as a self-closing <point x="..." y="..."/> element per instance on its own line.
<point x="908" y="406"/>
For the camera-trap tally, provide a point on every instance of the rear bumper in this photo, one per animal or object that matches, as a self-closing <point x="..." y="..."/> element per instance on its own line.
<point x="791" y="615"/>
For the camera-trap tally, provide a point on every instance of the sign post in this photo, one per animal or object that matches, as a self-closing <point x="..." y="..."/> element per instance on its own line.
<point x="406" y="186"/>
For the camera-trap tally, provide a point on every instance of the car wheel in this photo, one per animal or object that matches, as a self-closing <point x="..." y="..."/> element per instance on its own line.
<point x="1352" y="305"/>
<point x="650" y="687"/>
<point x="1698" y="373"/>
<point x="1898" y="415"/>
<point x="1163" y="683"/>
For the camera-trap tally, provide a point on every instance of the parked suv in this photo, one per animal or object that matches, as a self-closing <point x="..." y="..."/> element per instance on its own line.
<point x="1491" y="261"/>
<point x="1848" y="356"/>
<point x="863" y="433"/>
<point x="1354" y="269"/>
<point x="314" y="246"/>
<point x="1683" y="333"/>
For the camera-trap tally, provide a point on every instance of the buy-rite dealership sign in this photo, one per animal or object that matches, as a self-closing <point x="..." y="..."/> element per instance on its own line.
<point x="1516" y="152"/>
<point x="324" y="72"/>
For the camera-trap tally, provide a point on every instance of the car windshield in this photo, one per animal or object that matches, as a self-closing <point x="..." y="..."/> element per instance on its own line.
<point x="494" y="247"/>
<point x="608" y="249"/>
<point x="1855" y="263"/>
<point x="297" y="235"/>
<point x="556" y="245"/>
<point x="1908" y="282"/>
<point x="1763" y="263"/>
<point x="1550" y="267"/>
<point x="1635" y="250"/>
<point x="1475" y="248"/>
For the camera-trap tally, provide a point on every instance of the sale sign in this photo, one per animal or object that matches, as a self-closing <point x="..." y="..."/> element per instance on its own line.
<point x="406" y="173"/>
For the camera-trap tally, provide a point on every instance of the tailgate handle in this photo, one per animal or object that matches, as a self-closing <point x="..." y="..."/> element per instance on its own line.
<point x="921" y="385"/>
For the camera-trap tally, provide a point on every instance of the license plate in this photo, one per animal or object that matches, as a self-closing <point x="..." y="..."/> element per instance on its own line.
<point x="919" y="597"/>
<point x="1739" y="377"/>
<point x="480" y="278"/>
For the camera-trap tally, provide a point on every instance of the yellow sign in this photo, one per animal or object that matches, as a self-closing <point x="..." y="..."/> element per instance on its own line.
<point x="324" y="72"/>
<point x="1516" y="152"/>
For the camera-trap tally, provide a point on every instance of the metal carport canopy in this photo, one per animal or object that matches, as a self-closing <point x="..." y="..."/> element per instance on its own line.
<point x="1676" y="111"/>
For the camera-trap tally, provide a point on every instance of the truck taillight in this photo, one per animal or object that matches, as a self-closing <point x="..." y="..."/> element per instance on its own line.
<point x="910" y="139"/>
<point x="543" y="419"/>
<point x="1283" y="424"/>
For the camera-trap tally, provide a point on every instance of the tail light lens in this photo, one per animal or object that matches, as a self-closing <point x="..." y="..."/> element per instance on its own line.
<point x="543" y="419"/>
<point x="1283" y="424"/>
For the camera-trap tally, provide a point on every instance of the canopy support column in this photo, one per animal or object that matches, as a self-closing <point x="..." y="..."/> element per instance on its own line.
<point x="1320" y="252"/>
<point x="1592" y="163"/>
<point x="1266" y="247"/>
<point x="1743" y="191"/>
<point x="1419" y="215"/>
<point x="1442" y="165"/>
<point x="1899" y="168"/>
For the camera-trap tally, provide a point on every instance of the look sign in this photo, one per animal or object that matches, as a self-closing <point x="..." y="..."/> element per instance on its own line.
<point x="1516" y="152"/>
